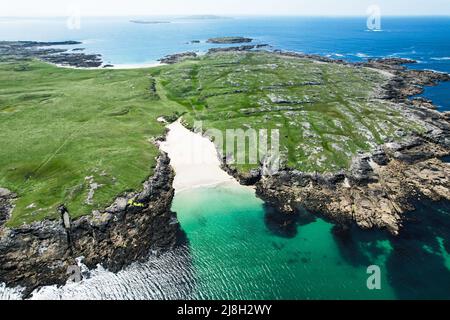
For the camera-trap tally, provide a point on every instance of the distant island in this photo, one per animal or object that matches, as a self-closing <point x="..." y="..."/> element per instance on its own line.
<point x="229" y="40"/>
<point x="204" y="17"/>
<point x="148" y="21"/>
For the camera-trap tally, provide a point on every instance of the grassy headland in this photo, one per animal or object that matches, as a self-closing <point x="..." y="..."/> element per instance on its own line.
<point x="61" y="126"/>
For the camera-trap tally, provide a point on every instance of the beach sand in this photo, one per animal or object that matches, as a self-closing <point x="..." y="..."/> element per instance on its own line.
<point x="194" y="159"/>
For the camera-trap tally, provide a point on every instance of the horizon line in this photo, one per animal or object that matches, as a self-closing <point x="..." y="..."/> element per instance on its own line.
<point x="232" y="15"/>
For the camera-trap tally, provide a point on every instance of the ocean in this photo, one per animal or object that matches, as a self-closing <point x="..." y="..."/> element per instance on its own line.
<point x="237" y="247"/>
<point x="425" y="39"/>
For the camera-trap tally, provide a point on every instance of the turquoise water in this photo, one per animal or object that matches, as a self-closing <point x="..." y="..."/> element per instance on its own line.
<point x="240" y="249"/>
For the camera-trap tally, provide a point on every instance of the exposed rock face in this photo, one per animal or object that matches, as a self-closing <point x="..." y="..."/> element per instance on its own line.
<point x="406" y="82"/>
<point x="41" y="253"/>
<point x="174" y="58"/>
<point x="6" y="204"/>
<point x="229" y="40"/>
<point x="246" y="179"/>
<point x="240" y="48"/>
<point x="43" y="51"/>
<point x="377" y="198"/>
<point x="379" y="187"/>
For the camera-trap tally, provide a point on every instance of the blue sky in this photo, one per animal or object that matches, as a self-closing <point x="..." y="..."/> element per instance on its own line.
<point x="223" y="7"/>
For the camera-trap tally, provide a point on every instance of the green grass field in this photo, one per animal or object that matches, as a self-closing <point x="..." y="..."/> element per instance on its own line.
<point x="64" y="129"/>
<point x="59" y="126"/>
<point x="325" y="112"/>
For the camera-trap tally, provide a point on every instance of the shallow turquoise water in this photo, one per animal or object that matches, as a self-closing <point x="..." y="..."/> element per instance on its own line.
<point x="239" y="252"/>
<point x="236" y="255"/>
<point x="237" y="248"/>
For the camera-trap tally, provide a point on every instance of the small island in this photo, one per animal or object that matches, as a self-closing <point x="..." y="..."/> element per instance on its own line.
<point x="203" y="17"/>
<point x="229" y="40"/>
<point x="149" y="21"/>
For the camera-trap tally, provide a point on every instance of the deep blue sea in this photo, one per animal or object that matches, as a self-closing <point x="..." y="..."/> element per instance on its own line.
<point x="237" y="250"/>
<point x="424" y="39"/>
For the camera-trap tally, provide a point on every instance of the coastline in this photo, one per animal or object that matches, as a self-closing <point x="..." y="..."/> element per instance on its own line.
<point x="130" y="229"/>
<point x="194" y="159"/>
<point x="126" y="66"/>
<point x="284" y="190"/>
<point x="379" y="188"/>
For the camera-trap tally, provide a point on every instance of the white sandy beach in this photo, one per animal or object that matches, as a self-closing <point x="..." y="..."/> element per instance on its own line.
<point x="194" y="159"/>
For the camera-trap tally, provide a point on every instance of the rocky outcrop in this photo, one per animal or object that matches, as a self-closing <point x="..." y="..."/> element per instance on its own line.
<point x="405" y="82"/>
<point x="236" y="49"/>
<point x="133" y="226"/>
<point x="174" y="58"/>
<point x="229" y="40"/>
<point x="370" y="195"/>
<point x="79" y="60"/>
<point x="247" y="179"/>
<point x="6" y="204"/>
<point x="45" y="52"/>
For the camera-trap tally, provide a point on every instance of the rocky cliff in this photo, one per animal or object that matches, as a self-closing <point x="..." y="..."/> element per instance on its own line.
<point x="133" y="226"/>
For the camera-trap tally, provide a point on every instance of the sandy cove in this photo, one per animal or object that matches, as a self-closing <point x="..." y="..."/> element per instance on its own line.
<point x="194" y="159"/>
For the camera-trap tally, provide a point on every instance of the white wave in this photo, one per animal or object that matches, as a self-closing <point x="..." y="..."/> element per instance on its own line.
<point x="10" y="293"/>
<point x="361" y="55"/>
<point x="441" y="58"/>
<point x="335" y="55"/>
<point x="168" y="276"/>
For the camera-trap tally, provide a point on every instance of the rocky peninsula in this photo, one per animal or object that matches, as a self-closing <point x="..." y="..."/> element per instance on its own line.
<point x="229" y="40"/>
<point x="45" y="51"/>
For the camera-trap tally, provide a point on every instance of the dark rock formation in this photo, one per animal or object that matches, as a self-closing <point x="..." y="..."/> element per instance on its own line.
<point x="136" y="223"/>
<point x="45" y="52"/>
<point x="405" y="82"/>
<point x="246" y="179"/>
<point x="240" y="48"/>
<point x="229" y="40"/>
<point x="6" y="204"/>
<point x="79" y="60"/>
<point x="174" y="58"/>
